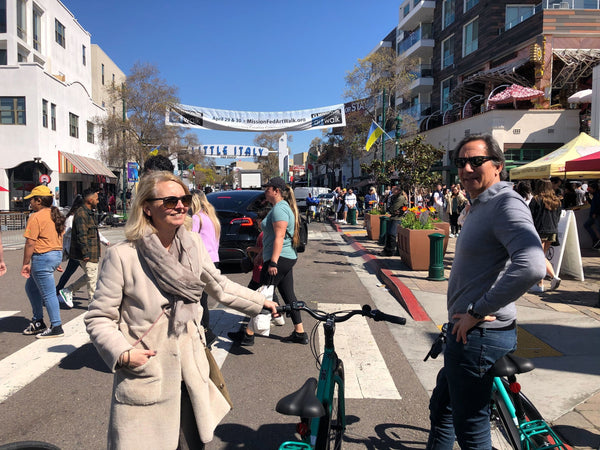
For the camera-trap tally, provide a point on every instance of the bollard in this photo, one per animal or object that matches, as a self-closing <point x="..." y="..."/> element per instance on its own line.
<point x="383" y="223"/>
<point x="352" y="216"/>
<point x="436" y="257"/>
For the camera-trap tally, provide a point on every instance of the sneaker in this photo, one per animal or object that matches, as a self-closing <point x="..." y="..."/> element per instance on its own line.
<point x="51" y="332"/>
<point x="241" y="337"/>
<point x="35" y="327"/>
<point x="597" y="244"/>
<point x="555" y="283"/>
<point x="536" y="288"/>
<point x="451" y="235"/>
<point x="296" y="338"/>
<point x="279" y="321"/>
<point x="67" y="296"/>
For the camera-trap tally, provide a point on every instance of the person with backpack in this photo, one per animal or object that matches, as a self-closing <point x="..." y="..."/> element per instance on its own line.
<point x="281" y="236"/>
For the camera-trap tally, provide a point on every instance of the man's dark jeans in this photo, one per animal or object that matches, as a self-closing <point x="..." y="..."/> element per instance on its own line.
<point x="589" y="227"/>
<point x="460" y="402"/>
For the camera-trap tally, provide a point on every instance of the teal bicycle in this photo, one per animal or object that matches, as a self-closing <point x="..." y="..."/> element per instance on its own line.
<point x="320" y="404"/>
<point x="512" y="414"/>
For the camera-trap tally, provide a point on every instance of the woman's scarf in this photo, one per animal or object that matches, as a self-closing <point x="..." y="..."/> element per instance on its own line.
<point x="177" y="274"/>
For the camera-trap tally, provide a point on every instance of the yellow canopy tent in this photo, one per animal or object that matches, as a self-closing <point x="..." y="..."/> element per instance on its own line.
<point x="553" y="164"/>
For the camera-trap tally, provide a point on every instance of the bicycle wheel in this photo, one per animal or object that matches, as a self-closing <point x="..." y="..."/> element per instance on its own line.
<point x="331" y="425"/>
<point x="502" y="422"/>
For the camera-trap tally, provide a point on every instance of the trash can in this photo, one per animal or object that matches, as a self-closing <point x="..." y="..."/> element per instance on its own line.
<point x="436" y="257"/>
<point x="383" y="224"/>
<point x="351" y="216"/>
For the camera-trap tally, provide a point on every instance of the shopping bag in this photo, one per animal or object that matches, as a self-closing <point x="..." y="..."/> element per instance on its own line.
<point x="261" y="324"/>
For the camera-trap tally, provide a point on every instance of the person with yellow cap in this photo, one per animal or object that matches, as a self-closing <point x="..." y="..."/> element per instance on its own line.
<point x="41" y="256"/>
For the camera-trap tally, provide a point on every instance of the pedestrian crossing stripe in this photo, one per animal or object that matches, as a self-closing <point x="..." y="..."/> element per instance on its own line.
<point x="365" y="373"/>
<point x="5" y="314"/>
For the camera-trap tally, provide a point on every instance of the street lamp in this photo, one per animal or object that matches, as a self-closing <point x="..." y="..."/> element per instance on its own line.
<point x="398" y="124"/>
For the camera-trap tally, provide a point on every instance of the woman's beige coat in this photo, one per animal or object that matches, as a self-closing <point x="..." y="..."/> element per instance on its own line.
<point x="146" y="400"/>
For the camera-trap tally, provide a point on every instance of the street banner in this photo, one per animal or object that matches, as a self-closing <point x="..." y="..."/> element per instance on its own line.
<point x="230" y="151"/>
<point x="225" y="120"/>
<point x="132" y="172"/>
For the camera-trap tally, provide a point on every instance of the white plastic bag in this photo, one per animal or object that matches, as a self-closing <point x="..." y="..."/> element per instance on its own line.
<point x="261" y="324"/>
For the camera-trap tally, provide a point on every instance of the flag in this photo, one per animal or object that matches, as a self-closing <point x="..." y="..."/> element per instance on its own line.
<point x="374" y="132"/>
<point x="154" y="152"/>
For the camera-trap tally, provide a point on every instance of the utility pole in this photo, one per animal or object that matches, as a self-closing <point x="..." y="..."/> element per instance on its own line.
<point x="398" y="123"/>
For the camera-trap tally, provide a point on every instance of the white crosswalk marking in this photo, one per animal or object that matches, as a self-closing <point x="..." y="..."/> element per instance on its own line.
<point x="5" y="314"/>
<point x="366" y="374"/>
<point x="25" y="365"/>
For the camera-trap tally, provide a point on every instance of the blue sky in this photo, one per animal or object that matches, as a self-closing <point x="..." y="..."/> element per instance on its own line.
<point x="243" y="55"/>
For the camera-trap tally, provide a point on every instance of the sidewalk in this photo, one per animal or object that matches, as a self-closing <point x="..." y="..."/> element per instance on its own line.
<point x="559" y="330"/>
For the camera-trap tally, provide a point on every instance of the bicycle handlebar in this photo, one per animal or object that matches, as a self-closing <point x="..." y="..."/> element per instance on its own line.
<point x="341" y="316"/>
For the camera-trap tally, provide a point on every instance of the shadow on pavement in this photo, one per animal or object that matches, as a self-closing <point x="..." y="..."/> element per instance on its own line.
<point x="85" y="356"/>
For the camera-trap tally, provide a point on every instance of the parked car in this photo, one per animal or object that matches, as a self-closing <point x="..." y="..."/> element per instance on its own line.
<point x="237" y="213"/>
<point x="302" y="192"/>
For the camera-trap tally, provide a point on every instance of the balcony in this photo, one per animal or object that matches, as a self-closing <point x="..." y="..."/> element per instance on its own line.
<point x="417" y="111"/>
<point x="418" y="44"/>
<point x="423" y="82"/>
<point x="421" y="12"/>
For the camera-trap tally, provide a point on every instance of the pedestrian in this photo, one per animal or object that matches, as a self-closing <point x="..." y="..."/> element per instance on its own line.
<point x="280" y="237"/>
<point x="524" y="190"/>
<point x="371" y="199"/>
<point x="85" y="246"/>
<point x="498" y="257"/>
<point x="73" y="263"/>
<point x="398" y="204"/>
<point x="206" y="223"/>
<point x="156" y="163"/>
<point x="580" y="194"/>
<point x="112" y="204"/>
<point x="144" y="322"/>
<point x="41" y="257"/>
<point x="594" y="217"/>
<point x="455" y="204"/>
<point x="545" y="210"/>
<point x="350" y="205"/>
<point x="2" y="263"/>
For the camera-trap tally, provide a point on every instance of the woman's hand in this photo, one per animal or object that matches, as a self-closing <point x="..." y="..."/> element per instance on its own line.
<point x="26" y="270"/>
<point x="272" y="306"/>
<point x="272" y="270"/>
<point x="135" y="357"/>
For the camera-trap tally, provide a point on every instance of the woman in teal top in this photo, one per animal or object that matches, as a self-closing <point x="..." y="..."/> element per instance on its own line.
<point x="280" y="237"/>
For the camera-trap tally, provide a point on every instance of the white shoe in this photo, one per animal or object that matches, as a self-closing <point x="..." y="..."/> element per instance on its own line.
<point x="555" y="283"/>
<point x="451" y="235"/>
<point x="279" y="321"/>
<point x="67" y="297"/>
<point x="536" y="288"/>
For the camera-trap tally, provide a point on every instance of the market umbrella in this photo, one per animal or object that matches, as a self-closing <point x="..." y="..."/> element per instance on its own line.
<point x="515" y="92"/>
<point x="584" y="96"/>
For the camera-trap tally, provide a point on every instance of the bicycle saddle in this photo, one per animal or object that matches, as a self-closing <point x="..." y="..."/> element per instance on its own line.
<point x="511" y="365"/>
<point x="303" y="402"/>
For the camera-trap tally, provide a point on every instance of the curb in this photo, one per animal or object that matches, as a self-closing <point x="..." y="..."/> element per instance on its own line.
<point x="397" y="288"/>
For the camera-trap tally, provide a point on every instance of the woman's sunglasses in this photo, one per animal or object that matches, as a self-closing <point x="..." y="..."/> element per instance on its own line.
<point x="172" y="202"/>
<point x="474" y="161"/>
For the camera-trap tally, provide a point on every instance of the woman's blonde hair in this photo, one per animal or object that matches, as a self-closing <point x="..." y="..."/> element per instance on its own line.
<point x="288" y="196"/>
<point x="201" y="203"/>
<point x="139" y="223"/>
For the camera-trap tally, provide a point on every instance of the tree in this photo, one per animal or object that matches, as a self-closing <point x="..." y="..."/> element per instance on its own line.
<point x="332" y="154"/>
<point x="146" y="97"/>
<point x="269" y="164"/>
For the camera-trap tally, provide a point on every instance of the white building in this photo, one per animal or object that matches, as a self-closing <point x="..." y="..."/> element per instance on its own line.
<point x="47" y="113"/>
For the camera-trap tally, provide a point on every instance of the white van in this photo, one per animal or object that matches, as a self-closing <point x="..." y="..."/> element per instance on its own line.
<point x="302" y="192"/>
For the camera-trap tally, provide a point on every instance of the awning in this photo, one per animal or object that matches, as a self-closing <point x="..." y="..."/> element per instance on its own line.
<point x="72" y="163"/>
<point x="578" y="64"/>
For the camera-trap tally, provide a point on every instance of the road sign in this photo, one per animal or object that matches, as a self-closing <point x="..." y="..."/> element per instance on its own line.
<point x="45" y="179"/>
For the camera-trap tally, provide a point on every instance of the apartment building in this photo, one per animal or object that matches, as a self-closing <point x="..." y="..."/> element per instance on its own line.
<point x="47" y="109"/>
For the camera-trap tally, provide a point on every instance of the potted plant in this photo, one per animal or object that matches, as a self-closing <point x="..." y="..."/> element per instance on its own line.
<point x="413" y="236"/>
<point x="372" y="224"/>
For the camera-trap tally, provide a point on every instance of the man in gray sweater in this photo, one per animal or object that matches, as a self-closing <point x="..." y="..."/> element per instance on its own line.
<point x="498" y="257"/>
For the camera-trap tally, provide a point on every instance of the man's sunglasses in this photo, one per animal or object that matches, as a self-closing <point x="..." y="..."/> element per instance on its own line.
<point x="172" y="202"/>
<point x="474" y="161"/>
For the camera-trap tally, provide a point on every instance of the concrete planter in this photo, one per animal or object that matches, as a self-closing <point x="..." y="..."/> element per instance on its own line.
<point x="413" y="246"/>
<point x="372" y="225"/>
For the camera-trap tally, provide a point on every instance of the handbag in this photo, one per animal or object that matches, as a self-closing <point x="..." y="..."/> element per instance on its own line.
<point x="217" y="377"/>
<point x="261" y="324"/>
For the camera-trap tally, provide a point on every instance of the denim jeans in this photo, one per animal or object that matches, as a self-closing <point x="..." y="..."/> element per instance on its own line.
<point x="589" y="227"/>
<point x="40" y="285"/>
<point x="460" y="402"/>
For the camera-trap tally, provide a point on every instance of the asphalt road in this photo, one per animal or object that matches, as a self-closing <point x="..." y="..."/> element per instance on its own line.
<point x="68" y="404"/>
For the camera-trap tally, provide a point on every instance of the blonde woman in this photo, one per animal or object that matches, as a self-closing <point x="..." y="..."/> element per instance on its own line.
<point x="205" y="222"/>
<point x="145" y="323"/>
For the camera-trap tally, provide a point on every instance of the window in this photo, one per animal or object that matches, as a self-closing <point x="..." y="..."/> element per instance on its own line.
<point x="37" y="30"/>
<point x="21" y="19"/>
<point x="2" y="16"/>
<point x="83" y="54"/>
<point x="73" y="125"/>
<point x="445" y="94"/>
<point x="448" y="7"/>
<point x="470" y="35"/>
<point x="515" y="14"/>
<point x="3" y="57"/>
<point x="12" y="111"/>
<point x="469" y="4"/>
<point x="45" y="113"/>
<point x="53" y="116"/>
<point x="448" y="52"/>
<point x="59" y="34"/>
<point x="102" y="70"/>
<point x="90" y="132"/>
<point x="406" y="9"/>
